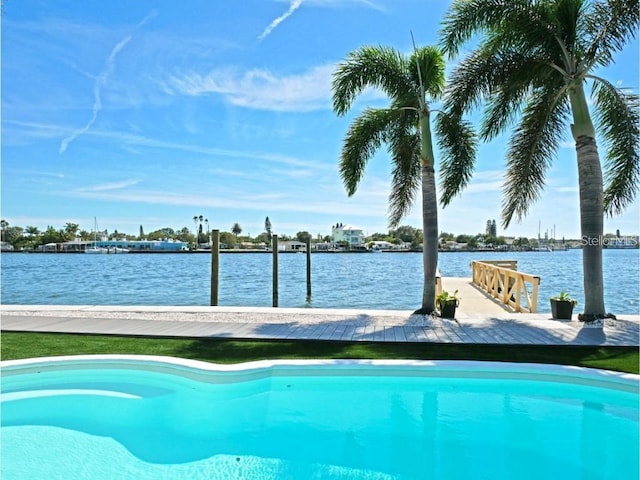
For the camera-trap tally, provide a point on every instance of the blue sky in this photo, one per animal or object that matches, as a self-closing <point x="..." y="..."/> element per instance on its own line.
<point x="153" y="111"/>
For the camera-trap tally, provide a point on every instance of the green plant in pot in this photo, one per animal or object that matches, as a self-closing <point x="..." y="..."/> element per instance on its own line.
<point x="447" y="303"/>
<point x="562" y="306"/>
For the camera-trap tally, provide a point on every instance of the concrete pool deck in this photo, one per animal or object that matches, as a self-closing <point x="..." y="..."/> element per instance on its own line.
<point x="317" y="324"/>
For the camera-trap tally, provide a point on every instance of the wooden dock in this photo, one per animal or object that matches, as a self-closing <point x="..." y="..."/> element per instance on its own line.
<point x="473" y="300"/>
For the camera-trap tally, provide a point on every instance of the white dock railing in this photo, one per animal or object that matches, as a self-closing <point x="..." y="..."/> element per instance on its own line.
<point x="502" y="281"/>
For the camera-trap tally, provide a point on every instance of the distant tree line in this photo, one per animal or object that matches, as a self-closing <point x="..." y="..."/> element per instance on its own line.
<point x="29" y="237"/>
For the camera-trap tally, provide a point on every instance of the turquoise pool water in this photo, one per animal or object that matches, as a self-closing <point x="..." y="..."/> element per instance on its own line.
<point x="154" y="418"/>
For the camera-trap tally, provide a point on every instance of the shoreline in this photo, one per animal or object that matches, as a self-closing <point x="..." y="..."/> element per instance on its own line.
<point x="238" y="251"/>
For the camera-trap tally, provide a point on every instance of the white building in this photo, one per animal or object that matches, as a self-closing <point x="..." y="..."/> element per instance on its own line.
<point x="347" y="233"/>
<point x="381" y="245"/>
<point x="292" y="246"/>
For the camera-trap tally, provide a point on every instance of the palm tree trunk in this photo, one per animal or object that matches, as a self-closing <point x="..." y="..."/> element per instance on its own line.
<point x="591" y="204"/>
<point x="429" y="217"/>
<point x="591" y="224"/>
<point x="429" y="239"/>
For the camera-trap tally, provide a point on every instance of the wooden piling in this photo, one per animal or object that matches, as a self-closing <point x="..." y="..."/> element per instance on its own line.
<point x="215" y="267"/>
<point x="274" y="246"/>
<point x="308" y="269"/>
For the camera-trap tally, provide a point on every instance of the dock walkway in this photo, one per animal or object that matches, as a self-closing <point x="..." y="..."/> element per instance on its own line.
<point x="473" y="300"/>
<point x="470" y="327"/>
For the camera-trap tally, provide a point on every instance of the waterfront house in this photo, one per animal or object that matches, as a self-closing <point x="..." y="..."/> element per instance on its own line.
<point x="353" y="236"/>
<point x="292" y="246"/>
<point x="146" y="245"/>
<point x="48" y="248"/>
<point x="154" y="246"/>
<point x="381" y="245"/>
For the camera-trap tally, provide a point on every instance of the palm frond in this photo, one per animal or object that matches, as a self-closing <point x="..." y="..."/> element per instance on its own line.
<point x="378" y="67"/>
<point x="617" y="118"/>
<point x="404" y="147"/>
<point x="465" y="18"/>
<point x="531" y="151"/>
<point x="566" y="16"/>
<point x="610" y="25"/>
<point x="469" y="83"/>
<point x="365" y="135"/>
<point x="513" y="78"/>
<point x="502" y="77"/>
<point x="458" y="145"/>
<point x="513" y="21"/>
<point x="432" y="70"/>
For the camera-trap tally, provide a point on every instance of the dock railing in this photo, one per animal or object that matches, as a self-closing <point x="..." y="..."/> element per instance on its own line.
<point x="502" y="281"/>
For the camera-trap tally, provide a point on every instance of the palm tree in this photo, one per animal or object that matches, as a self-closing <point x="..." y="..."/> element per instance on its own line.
<point x="267" y="228"/>
<point x="236" y="230"/>
<point x="535" y="59"/>
<point x="71" y="230"/>
<point x="406" y="130"/>
<point x="195" y="230"/>
<point x="32" y="231"/>
<point x="3" y="226"/>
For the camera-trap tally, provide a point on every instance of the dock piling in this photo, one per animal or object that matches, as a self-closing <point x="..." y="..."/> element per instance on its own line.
<point x="215" y="267"/>
<point x="308" y="269"/>
<point x="274" y="240"/>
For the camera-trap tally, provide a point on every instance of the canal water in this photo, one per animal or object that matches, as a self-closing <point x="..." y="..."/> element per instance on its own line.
<point x="390" y="281"/>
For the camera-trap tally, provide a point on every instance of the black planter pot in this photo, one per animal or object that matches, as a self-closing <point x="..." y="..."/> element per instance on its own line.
<point x="448" y="309"/>
<point x="561" y="309"/>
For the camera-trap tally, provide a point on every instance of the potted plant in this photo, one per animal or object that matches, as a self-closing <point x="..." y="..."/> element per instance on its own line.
<point x="562" y="306"/>
<point x="447" y="304"/>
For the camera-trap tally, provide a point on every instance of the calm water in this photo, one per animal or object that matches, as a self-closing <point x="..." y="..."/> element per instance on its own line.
<point x="375" y="281"/>
<point x="331" y="424"/>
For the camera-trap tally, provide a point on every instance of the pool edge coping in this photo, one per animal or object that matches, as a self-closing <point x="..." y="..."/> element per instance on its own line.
<point x="175" y="364"/>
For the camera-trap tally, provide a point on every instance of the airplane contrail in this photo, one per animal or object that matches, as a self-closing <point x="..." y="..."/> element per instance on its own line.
<point x="100" y="82"/>
<point x="293" y="6"/>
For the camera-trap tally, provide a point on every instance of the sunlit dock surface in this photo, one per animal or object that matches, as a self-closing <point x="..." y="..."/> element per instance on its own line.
<point x="496" y="327"/>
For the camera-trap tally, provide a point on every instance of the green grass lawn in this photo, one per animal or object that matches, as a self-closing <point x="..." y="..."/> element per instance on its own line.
<point x="25" y="345"/>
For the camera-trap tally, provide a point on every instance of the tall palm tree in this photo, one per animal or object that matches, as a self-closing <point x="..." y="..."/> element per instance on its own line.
<point x="236" y="230"/>
<point x="195" y="230"/>
<point x="534" y="58"/>
<point x="410" y="82"/>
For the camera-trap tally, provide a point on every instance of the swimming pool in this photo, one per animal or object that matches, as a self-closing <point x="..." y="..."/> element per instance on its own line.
<point x="121" y="417"/>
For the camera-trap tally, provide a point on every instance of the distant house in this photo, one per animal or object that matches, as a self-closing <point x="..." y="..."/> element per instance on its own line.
<point x="453" y="245"/>
<point x="323" y="247"/>
<point x="168" y="245"/>
<point x="292" y="246"/>
<point x="347" y="233"/>
<point x="381" y="245"/>
<point x="49" y="247"/>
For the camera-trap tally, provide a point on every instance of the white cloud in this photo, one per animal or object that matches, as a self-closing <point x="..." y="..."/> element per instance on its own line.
<point x="109" y="186"/>
<point x="34" y="173"/>
<point x="257" y="202"/>
<point x="134" y="143"/>
<point x="485" y="181"/>
<point x="261" y="89"/>
<point x="293" y="173"/>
